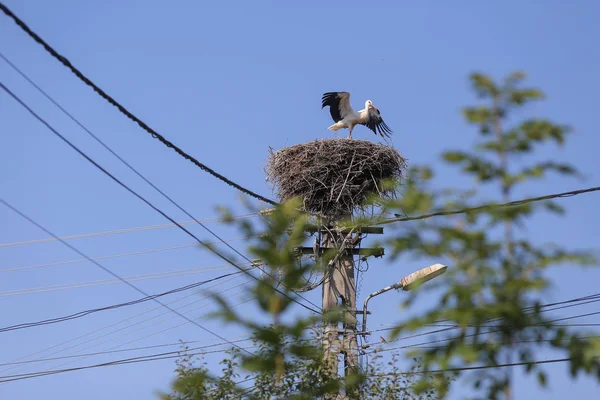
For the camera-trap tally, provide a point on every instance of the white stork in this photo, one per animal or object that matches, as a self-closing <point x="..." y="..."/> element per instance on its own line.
<point x="345" y="117"/>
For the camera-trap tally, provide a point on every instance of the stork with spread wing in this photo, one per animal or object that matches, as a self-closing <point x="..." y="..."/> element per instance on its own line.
<point x="345" y="117"/>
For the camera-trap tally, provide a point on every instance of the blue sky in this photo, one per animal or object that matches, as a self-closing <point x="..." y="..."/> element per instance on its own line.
<point x="225" y="82"/>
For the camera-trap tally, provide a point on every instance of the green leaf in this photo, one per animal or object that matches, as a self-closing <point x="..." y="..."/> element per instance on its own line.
<point x="541" y="377"/>
<point x="483" y="85"/>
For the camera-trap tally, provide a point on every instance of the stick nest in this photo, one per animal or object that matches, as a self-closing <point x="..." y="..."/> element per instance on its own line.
<point x="335" y="177"/>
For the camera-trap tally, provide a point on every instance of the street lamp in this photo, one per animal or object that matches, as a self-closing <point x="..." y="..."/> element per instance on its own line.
<point x="406" y="283"/>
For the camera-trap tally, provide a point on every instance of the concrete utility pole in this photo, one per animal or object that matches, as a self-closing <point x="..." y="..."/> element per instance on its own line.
<point x="336" y="178"/>
<point x="339" y="290"/>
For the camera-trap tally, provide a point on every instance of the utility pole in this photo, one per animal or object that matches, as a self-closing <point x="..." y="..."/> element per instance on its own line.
<point x="335" y="178"/>
<point x="339" y="291"/>
<point x="349" y="332"/>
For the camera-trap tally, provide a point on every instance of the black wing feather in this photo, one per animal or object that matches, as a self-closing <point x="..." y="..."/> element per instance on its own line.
<point x="377" y="125"/>
<point x="332" y="100"/>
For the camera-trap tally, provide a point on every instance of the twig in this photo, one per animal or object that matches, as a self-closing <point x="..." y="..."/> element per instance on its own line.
<point x="347" y="175"/>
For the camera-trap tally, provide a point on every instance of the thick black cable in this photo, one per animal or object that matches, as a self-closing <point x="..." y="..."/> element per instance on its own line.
<point x="126" y="112"/>
<point x="88" y="158"/>
<point x="81" y="314"/>
<point x="89" y="132"/>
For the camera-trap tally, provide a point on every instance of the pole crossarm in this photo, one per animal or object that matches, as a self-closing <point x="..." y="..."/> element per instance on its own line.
<point x="365" y="251"/>
<point x="376" y="230"/>
<point x="330" y="264"/>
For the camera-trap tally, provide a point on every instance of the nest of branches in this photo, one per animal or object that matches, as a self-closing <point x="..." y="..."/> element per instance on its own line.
<point x="335" y="177"/>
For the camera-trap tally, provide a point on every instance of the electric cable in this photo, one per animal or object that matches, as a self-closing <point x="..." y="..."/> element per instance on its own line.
<point x="124" y="230"/>
<point x="126" y="112"/>
<point x="127" y="164"/>
<point x="210" y="248"/>
<point x="489" y="206"/>
<point x="8" y="205"/>
<point x="81" y="314"/>
<point x="122" y="331"/>
<point x="101" y="282"/>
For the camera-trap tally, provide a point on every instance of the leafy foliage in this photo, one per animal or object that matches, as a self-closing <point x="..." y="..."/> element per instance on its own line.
<point x="303" y="379"/>
<point x="491" y="296"/>
<point x="493" y="289"/>
<point x="289" y="360"/>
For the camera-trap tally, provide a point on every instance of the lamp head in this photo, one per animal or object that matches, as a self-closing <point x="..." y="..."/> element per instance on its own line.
<point x="421" y="276"/>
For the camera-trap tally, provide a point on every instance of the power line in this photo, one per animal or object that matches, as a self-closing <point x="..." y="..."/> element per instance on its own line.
<point x="473" y="368"/>
<point x="529" y="326"/>
<point x="424" y="344"/>
<point x="154" y="134"/>
<point x="109" y="271"/>
<point x="583" y="300"/>
<point x="594" y="297"/>
<point x="101" y="282"/>
<point x="81" y="314"/>
<point x="449" y="327"/>
<point x="133" y="317"/>
<point x="140" y="175"/>
<point x="142" y="198"/>
<point x="119" y="231"/>
<point x="60" y="347"/>
<point x="546" y="308"/>
<point x="101" y="353"/>
<point x="150" y="335"/>
<point x="244" y="339"/>
<point x="430" y="342"/>
<point x="160" y="356"/>
<point x="153" y="357"/>
<point x="488" y="206"/>
<point x="552" y="321"/>
<point x="176" y="354"/>
<point x="135" y="171"/>
<point x="112" y="256"/>
<point x="110" y="351"/>
<point x="131" y="325"/>
<point x="126" y="112"/>
<point x="459" y="369"/>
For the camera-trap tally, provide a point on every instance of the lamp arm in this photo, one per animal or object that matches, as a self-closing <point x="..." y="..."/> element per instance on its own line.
<point x="377" y="293"/>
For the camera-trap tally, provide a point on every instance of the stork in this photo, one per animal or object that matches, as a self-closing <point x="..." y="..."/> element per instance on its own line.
<point x="346" y="118"/>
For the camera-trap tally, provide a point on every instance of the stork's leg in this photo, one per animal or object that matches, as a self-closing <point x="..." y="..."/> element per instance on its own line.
<point x="350" y="132"/>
